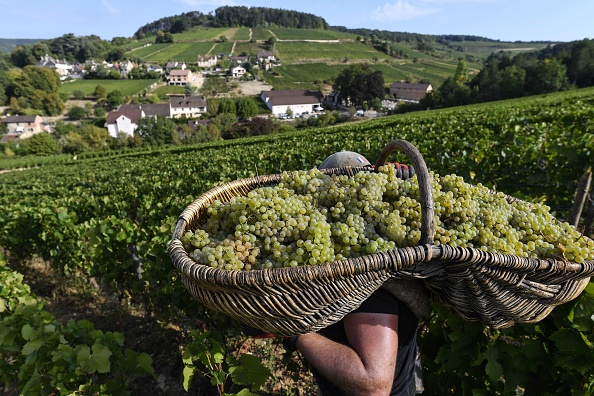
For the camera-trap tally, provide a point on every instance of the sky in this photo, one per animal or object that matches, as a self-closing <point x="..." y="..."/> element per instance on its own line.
<point x="505" y="20"/>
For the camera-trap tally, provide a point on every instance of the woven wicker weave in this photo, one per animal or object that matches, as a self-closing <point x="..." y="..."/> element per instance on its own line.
<point x="496" y="289"/>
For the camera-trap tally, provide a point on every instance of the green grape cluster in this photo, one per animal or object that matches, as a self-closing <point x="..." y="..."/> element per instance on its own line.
<point x="311" y="218"/>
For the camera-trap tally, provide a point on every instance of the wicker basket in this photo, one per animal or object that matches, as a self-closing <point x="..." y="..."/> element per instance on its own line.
<point x="496" y="289"/>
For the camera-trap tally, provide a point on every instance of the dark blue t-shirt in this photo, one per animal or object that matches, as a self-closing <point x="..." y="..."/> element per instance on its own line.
<point x="384" y="302"/>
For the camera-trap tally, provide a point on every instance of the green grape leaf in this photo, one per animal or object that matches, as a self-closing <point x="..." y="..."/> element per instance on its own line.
<point x="250" y="372"/>
<point x="27" y="332"/>
<point x="188" y="373"/>
<point x="146" y="363"/>
<point x="97" y="361"/>
<point x="100" y="359"/>
<point x="32" y="386"/>
<point x="493" y="367"/>
<point x="574" y="350"/>
<point x="32" y="346"/>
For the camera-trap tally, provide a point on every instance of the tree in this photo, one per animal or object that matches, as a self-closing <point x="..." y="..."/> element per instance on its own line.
<point x="580" y="65"/>
<point x="547" y="75"/>
<point x="512" y="82"/>
<point x="22" y="56"/>
<point x="115" y="98"/>
<point x="95" y="137"/>
<point x="213" y="107"/>
<point x="224" y="121"/>
<point x="62" y="129"/>
<point x="41" y="144"/>
<point x="227" y="105"/>
<point x="461" y="75"/>
<point x="213" y="131"/>
<point x="53" y="104"/>
<point x="43" y="78"/>
<point x="359" y="84"/>
<point x="76" y="113"/>
<point x="100" y="91"/>
<point x="157" y="131"/>
<point x="190" y="90"/>
<point x="99" y="112"/>
<point x="270" y="43"/>
<point x="73" y="143"/>
<point x="452" y="93"/>
<point x="246" y="107"/>
<point x="261" y="126"/>
<point x="78" y="94"/>
<point x="168" y="37"/>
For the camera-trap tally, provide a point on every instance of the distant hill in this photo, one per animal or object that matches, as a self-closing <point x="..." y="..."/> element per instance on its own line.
<point x="8" y="45"/>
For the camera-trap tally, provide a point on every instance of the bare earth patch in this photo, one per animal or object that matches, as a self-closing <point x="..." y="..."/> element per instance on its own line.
<point x="251" y="88"/>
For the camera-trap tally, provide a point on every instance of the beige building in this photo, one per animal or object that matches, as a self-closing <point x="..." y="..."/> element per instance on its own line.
<point x="180" y="77"/>
<point x="25" y="126"/>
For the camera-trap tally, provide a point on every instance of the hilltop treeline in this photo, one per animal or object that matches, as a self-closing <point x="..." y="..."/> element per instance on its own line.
<point x="261" y="16"/>
<point x="174" y="24"/>
<point x="234" y="16"/>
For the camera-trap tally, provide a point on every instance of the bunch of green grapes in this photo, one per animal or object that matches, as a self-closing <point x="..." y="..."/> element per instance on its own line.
<point x="311" y="218"/>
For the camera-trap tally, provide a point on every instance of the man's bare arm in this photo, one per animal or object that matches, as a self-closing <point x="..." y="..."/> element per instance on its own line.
<point x="367" y="366"/>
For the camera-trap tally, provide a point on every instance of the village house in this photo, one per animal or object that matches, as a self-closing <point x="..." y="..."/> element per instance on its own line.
<point x="409" y="92"/>
<point x="239" y="59"/>
<point x="296" y="101"/>
<point x="207" y="61"/>
<point x="62" y="67"/>
<point x="175" y="65"/>
<point x="266" y="57"/>
<point x="237" y="71"/>
<point x="154" y="68"/>
<point x="124" y="120"/>
<point x="23" y="127"/>
<point x="126" y="67"/>
<point x="180" y="77"/>
<point x="187" y="106"/>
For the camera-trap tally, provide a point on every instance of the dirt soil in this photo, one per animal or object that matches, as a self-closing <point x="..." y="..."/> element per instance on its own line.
<point x="250" y="88"/>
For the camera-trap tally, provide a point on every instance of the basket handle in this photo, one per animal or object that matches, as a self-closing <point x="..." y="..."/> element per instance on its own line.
<point x="427" y="203"/>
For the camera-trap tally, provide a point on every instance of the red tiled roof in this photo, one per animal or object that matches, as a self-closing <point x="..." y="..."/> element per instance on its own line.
<point x="133" y="112"/>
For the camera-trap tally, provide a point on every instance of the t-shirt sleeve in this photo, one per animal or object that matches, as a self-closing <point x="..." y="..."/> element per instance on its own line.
<point x="380" y="301"/>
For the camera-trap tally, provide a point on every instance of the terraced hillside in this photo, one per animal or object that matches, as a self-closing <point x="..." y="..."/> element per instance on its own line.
<point x="306" y="57"/>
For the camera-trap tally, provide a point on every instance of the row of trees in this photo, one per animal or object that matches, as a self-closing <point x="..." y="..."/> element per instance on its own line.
<point x="263" y="16"/>
<point x="557" y="68"/>
<point x="70" y="48"/>
<point x="232" y="16"/>
<point x="33" y="88"/>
